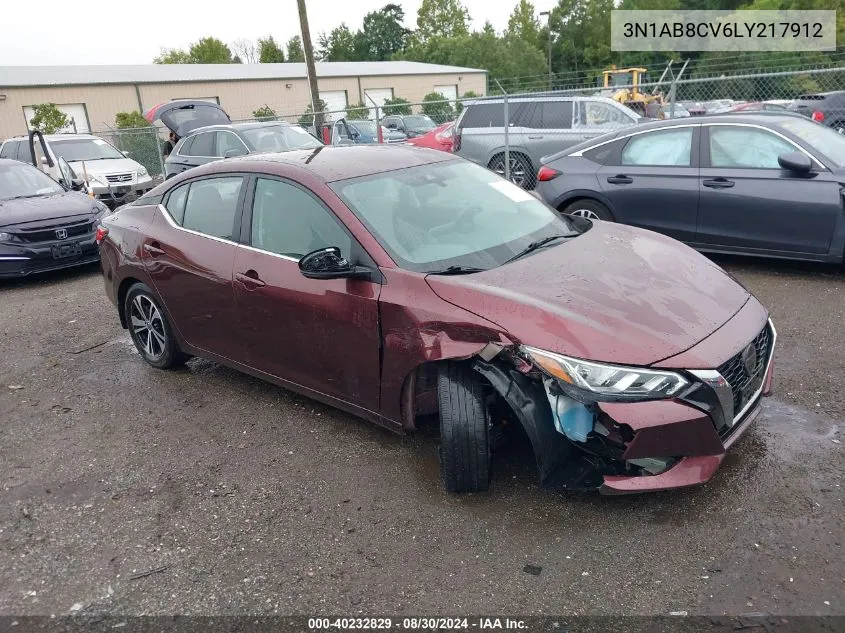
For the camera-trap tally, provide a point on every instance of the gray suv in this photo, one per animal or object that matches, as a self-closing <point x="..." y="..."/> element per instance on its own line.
<point x="539" y="125"/>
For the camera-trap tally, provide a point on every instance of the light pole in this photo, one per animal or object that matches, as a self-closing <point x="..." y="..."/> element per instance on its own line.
<point x="548" y="15"/>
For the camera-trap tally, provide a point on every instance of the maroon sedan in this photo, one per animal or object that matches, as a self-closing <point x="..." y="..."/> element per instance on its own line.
<point x="395" y="282"/>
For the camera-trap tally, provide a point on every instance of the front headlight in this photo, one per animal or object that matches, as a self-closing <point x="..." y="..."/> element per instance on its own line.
<point x="143" y="173"/>
<point x="588" y="381"/>
<point x="5" y="237"/>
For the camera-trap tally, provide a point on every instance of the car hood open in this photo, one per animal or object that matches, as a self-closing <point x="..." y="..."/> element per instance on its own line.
<point x="614" y="294"/>
<point x="185" y="115"/>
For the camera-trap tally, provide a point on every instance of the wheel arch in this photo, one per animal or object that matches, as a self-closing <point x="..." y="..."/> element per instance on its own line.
<point x="574" y="196"/>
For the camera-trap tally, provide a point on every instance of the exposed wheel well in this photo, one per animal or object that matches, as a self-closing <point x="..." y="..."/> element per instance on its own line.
<point x="124" y="287"/>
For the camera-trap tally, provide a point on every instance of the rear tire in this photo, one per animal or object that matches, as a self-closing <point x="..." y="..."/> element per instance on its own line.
<point x="464" y="430"/>
<point x="590" y="209"/>
<point x="521" y="172"/>
<point x="150" y="330"/>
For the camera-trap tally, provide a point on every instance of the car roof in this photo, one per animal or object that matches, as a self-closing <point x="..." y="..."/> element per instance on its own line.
<point x="540" y="96"/>
<point x="336" y="163"/>
<point x="55" y="137"/>
<point x="239" y="126"/>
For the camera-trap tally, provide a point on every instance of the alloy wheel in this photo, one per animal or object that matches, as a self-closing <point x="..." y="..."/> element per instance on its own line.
<point x="148" y="327"/>
<point x="585" y="213"/>
<point x="517" y="170"/>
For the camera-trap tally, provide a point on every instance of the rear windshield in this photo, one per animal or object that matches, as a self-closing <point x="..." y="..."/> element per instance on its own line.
<point x="818" y="137"/>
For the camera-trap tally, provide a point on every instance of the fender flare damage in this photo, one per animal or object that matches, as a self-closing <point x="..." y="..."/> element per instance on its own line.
<point x="560" y="465"/>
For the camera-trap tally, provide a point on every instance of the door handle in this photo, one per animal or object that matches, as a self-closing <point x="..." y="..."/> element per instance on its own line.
<point x="620" y="179"/>
<point x="719" y="183"/>
<point x="153" y="249"/>
<point x="535" y="137"/>
<point x="250" y="279"/>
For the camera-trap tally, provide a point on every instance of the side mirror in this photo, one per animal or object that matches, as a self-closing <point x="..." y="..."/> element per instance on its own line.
<point x="77" y="184"/>
<point x="797" y="162"/>
<point x="230" y="153"/>
<point x="328" y="263"/>
<point x="125" y="152"/>
<point x="355" y="134"/>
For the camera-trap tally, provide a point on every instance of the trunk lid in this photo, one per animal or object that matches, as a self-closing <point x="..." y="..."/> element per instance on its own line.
<point x="185" y="115"/>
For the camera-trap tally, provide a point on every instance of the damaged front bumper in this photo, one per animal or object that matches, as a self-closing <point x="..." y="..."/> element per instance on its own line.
<point x="632" y="447"/>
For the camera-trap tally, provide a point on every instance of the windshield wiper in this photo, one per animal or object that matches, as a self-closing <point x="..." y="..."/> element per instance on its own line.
<point x="29" y="195"/>
<point x="538" y="244"/>
<point x="456" y="270"/>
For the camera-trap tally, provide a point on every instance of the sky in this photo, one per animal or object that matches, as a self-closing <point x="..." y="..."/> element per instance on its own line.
<point x="108" y="32"/>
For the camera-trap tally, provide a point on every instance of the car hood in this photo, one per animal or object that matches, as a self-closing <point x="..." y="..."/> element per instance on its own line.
<point x="105" y="166"/>
<point x="60" y="205"/>
<point x="615" y="294"/>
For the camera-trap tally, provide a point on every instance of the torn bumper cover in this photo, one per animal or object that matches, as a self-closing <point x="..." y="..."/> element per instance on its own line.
<point x="637" y="446"/>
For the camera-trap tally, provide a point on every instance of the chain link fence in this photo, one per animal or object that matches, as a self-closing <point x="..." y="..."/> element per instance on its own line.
<point x="543" y="121"/>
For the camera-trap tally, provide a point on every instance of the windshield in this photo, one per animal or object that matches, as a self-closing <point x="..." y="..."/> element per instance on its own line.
<point x="419" y="123"/>
<point x="18" y="180"/>
<point x="279" y="138"/>
<point x="818" y="137"/>
<point x="84" y="149"/>
<point x="456" y="213"/>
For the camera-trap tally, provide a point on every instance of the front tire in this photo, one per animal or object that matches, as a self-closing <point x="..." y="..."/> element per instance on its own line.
<point x="149" y="328"/>
<point x="464" y="430"/>
<point x="590" y="209"/>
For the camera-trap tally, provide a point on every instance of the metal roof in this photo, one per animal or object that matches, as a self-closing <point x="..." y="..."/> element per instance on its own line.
<point x="18" y="76"/>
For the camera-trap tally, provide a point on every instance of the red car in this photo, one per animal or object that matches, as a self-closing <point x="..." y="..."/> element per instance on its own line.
<point x="441" y="138"/>
<point x="395" y="282"/>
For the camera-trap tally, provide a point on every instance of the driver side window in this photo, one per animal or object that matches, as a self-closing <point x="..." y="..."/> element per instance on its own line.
<point x="289" y="221"/>
<point x="746" y="147"/>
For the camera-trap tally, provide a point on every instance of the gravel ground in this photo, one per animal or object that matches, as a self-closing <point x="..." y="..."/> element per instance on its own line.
<point x="241" y="498"/>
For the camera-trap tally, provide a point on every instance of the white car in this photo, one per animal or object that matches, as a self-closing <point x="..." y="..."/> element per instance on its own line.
<point x="111" y="175"/>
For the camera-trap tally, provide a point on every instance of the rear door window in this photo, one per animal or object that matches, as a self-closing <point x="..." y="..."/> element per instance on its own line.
<point x="211" y="206"/>
<point x="669" y="148"/>
<point x="203" y="145"/>
<point x="557" y="115"/>
<point x="10" y="150"/>
<point x="484" y="115"/>
<point x="228" y="142"/>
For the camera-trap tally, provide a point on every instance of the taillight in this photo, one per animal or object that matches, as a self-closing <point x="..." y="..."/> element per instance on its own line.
<point x="547" y="173"/>
<point x="445" y="135"/>
<point x="818" y="117"/>
<point x="101" y="234"/>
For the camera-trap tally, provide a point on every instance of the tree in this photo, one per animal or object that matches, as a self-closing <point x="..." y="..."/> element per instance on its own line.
<point x="397" y="105"/>
<point x="269" y="52"/>
<point x="264" y="113"/>
<point x="383" y="33"/>
<point x="342" y="45"/>
<point x="437" y="107"/>
<point x="469" y="94"/>
<point x="245" y="50"/>
<point x="441" y="18"/>
<point x="523" y="23"/>
<point x="295" y="52"/>
<point x="48" y="119"/>
<point x="134" y="119"/>
<point x="358" y="112"/>
<point x="208" y="50"/>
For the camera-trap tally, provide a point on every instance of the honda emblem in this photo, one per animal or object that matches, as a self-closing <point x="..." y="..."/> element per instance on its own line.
<point x="61" y="234"/>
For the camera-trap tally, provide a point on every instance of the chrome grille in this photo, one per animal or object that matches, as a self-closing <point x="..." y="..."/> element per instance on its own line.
<point x="119" y="177"/>
<point x="746" y="383"/>
<point x="48" y="233"/>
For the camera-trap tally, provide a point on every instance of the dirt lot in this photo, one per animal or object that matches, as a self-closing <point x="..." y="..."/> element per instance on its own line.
<point x="244" y="498"/>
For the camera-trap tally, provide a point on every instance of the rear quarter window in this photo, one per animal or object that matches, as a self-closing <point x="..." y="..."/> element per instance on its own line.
<point x="484" y="115"/>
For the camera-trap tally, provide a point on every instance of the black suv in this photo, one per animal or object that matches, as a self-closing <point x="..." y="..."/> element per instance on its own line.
<point x="823" y="107"/>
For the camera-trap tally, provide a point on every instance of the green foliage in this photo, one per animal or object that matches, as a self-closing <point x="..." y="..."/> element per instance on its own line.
<point x="264" y="113"/>
<point x="342" y="45"/>
<point x="132" y="119"/>
<point x="307" y="118"/>
<point x="397" y="105"/>
<point x="441" y="18"/>
<point x="437" y="107"/>
<point x="523" y="24"/>
<point x="383" y="32"/>
<point x="295" y="50"/>
<point x="269" y="52"/>
<point x="208" y="50"/>
<point x="469" y="94"/>
<point x="48" y="119"/>
<point x="358" y="112"/>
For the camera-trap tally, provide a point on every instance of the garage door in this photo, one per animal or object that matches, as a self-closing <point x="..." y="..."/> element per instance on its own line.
<point x="379" y="95"/>
<point x="448" y="91"/>
<point x="75" y="113"/>
<point x="335" y="103"/>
